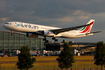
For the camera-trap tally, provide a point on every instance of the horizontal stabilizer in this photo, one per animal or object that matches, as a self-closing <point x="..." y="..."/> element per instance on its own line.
<point x="92" y="32"/>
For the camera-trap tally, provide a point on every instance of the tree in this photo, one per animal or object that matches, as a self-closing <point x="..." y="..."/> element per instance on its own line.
<point x="24" y="58"/>
<point x="66" y="58"/>
<point x="100" y="54"/>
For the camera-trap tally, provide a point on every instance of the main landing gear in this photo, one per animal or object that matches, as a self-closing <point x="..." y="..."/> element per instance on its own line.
<point x="46" y="41"/>
<point x="54" y="39"/>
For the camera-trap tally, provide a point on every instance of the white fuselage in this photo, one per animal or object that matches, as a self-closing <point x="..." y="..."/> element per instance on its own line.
<point x="26" y="27"/>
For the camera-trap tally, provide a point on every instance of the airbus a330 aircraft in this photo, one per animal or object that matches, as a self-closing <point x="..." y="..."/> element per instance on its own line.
<point x="33" y="30"/>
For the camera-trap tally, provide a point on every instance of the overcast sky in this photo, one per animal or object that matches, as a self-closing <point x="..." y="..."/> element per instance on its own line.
<point x="59" y="13"/>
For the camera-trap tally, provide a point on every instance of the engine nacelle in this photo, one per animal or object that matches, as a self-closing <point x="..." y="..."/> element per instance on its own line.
<point x="30" y="35"/>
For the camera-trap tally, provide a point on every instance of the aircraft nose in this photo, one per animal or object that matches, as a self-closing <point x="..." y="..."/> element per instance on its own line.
<point x="3" y="25"/>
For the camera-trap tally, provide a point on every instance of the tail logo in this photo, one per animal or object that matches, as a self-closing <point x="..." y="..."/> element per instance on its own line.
<point x="86" y="29"/>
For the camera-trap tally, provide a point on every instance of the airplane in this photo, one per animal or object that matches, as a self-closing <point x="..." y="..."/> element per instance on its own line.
<point x="33" y="30"/>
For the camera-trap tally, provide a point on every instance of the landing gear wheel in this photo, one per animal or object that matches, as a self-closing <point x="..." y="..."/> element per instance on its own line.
<point x="44" y="39"/>
<point x="53" y="38"/>
<point x="47" y="41"/>
<point x="56" y="40"/>
<point x="11" y="33"/>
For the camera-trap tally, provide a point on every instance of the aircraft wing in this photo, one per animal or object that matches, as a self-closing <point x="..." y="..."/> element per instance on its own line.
<point x="56" y="31"/>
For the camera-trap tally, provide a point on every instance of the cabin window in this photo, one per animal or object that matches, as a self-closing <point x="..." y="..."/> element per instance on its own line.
<point x="6" y="23"/>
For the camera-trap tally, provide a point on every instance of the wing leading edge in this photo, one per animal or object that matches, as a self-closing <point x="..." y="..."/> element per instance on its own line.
<point x="57" y="31"/>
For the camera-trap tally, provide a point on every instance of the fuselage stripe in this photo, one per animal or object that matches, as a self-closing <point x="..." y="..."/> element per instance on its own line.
<point x="83" y="28"/>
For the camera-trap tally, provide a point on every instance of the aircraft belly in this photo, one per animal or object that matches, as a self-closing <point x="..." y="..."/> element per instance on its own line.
<point x="69" y="35"/>
<point x="73" y="35"/>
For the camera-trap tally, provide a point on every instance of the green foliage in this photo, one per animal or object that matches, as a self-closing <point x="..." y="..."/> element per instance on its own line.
<point x="100" y="54"/>
<point x="66" y="58"/>
<point x="24" y="58"/>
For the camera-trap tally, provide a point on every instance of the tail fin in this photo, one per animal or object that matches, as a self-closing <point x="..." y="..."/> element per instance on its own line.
<point x="87" y="29"/>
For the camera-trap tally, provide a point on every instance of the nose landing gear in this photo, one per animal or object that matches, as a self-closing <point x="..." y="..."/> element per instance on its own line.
<point x="11" y="32"/>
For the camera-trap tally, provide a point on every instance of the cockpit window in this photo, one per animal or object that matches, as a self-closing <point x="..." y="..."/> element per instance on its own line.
<point x="6" y="23"/>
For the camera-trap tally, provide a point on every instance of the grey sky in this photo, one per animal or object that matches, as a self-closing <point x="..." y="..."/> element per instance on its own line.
<point x="59" y="13"/>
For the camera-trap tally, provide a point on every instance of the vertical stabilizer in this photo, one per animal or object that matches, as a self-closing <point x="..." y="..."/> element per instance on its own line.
<point x="87" y="29"/>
